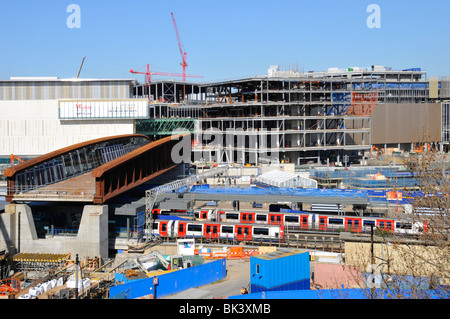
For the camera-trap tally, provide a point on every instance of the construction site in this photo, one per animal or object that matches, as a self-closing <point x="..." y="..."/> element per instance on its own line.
<point x="287" y="170"/>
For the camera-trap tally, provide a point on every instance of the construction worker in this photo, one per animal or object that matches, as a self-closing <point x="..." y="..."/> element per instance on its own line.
<point x="244" y="291"/>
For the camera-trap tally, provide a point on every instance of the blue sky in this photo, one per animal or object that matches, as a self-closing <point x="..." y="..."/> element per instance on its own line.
<point x="223" y="39"/>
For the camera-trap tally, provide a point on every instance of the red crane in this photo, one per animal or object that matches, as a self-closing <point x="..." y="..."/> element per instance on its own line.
<point x="182" y="52"/>
<point x="149" y="74"/>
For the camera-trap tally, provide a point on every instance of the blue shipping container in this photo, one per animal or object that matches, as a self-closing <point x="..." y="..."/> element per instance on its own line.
<point x="280" y="270"/>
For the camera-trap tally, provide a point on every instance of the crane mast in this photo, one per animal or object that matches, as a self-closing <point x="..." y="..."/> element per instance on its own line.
<point x="182" y="52"/>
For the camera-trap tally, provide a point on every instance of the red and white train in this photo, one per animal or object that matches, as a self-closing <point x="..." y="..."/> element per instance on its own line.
<point x="313" y="221"/>
<point x="217" y="230"/>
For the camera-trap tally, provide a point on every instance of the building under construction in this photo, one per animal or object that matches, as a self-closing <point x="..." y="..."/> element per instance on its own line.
<point x="288" y="116"/>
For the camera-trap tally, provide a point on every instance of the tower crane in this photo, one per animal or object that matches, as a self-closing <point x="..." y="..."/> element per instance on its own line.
<point x="182" y="52"/>
<point x="148" y="74"/>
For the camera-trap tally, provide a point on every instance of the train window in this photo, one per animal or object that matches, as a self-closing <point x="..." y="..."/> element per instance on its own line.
<point x="369" y="223"/>
<point x="389" y="225"/>
<point x="194" y="227"/>
<point x="279" y="219"/>
<point x="291" y="219"/>
<point x="322" y="220"/>
<point x="261" y="231"/>
<point x="335" y="221"/>
<point x="404" y="225"/>
<point x="239" y="231"/>
<point x="181" y="227"/>
<point x="244" y="216"/>
<point x="260" y="217"/>
<point x="382" y="225"/>
<point x="227" y="229"/>
<point x="214" y="229"/>
<point x="257" y="268"/>
<point x="163" y="227"/>
<point x="250" y="218"/>
<point x="246" y="232"/>
<point x="208" y="229"/>
<point x="304" y="219"/>
<point x="231" y="216"/>
<point x="272" y="218"/>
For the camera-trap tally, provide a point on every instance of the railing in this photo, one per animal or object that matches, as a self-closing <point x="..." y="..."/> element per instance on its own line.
<point x="54" y="191"/>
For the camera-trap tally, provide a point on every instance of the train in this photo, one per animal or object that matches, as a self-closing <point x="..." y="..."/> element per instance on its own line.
<point x="302" y="220"/>
<point x="211" y="230"/>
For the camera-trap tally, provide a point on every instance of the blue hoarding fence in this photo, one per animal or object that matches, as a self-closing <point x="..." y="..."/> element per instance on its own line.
<point x="171" y="283"/>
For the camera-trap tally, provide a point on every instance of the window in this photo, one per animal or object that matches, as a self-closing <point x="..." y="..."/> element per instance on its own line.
<point x="231" y="216"/>
<point x="279" y="219"/>
<point x="369" y="223"/>
<point x="291" y="219"/>
<point x="404" y="225"/>
<point x="261" y="231"/>
<point x="257" y="268"/>
<point x="246" y="231"/>
<point x="250" y="218"/>
<point x="208" y="229"/>
<point x="239" y="231"/>
<point x="260" y="217"/>
<point x="336" y="221"/>
<point x="227" y="229"/>
<point x="163" y="227"/>
<point x="194" y="227"/>
<point x="214" y="229"/>
<point x="181" y="228"/>
<point x="244" y="216"/>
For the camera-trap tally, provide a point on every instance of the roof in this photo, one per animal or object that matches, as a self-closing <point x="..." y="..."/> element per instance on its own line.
<point x="280" y="254"/>
<point x="276" y="176"/>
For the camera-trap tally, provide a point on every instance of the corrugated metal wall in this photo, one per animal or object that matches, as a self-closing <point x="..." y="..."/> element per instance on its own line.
<point x="406" y="123"/>
<point x="174" y="282"/>
<point x="65" y="89"/>
<point x="286" y="272"/>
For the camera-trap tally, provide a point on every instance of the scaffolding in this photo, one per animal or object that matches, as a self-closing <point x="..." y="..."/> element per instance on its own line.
<point x="287" y="116"/>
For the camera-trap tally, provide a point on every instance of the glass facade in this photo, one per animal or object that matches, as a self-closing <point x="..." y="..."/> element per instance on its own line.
<point x="75" y="163"/>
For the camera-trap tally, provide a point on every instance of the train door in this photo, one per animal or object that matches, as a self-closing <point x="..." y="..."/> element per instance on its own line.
<point x="163" y="228"/>
<point x="276" y="219"/>
<point x="203" y="214"/>
<point x="181" y="229"/>
<point x="220" y="215"/>
<point x="243" y="232"/>
<point x="353" y="224"/>
<point x="386" y="224"/>
<point x="248" y="218"/>
<point x="304" y="221"/>
<point x="211" y="231"/>
<point x="323" y="222"/>
<point x="155" y="213"/>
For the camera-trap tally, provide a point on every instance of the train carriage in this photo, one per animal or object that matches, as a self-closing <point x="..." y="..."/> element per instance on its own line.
<point x="215" y="230"/>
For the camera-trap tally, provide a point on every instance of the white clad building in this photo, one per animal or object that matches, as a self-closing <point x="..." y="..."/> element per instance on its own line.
<point x="40" y="115"/>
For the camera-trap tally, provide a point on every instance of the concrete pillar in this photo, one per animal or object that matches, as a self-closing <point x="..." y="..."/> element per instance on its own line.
<point x="92" y="238"/>
<point x="17" y="227"/>
<point x="18" y="233"/>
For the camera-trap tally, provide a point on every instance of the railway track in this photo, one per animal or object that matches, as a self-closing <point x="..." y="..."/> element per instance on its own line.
<point x="313" y="241"/>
